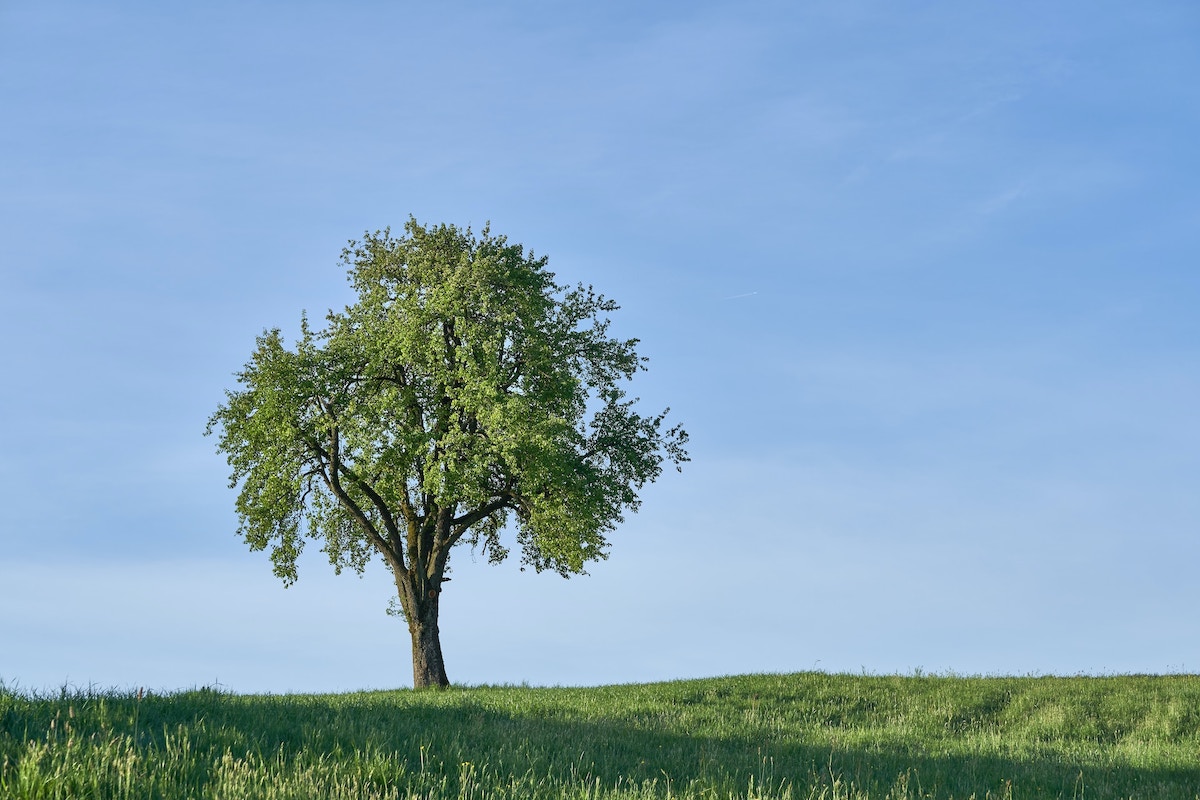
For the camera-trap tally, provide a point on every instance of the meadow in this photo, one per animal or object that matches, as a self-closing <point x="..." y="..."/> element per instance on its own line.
<point x="757" y="737"/>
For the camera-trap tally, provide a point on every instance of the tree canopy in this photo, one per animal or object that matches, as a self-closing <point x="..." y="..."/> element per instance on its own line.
<point x="464" y="394"/>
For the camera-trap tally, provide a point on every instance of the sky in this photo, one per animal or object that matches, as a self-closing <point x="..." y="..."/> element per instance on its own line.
<point x="919" y="279"/>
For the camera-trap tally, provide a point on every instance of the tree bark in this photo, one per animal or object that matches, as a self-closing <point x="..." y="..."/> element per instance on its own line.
<point x="429" y="669"/>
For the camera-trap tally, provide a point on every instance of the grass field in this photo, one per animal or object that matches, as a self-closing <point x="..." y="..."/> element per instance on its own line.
<point x="808" y="735"/>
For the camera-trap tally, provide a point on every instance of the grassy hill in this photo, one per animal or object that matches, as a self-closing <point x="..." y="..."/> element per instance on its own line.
<point x="809" y="735"/>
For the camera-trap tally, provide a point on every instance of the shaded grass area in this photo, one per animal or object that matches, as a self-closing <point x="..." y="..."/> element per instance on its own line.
<point x="809" y="735"/>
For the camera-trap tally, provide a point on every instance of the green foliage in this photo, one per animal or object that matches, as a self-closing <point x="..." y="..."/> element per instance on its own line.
<point x="464" y="390"/>
<point x="765" y="737"/>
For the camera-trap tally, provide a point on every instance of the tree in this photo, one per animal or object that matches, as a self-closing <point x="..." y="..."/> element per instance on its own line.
<point x="464" y="390"/>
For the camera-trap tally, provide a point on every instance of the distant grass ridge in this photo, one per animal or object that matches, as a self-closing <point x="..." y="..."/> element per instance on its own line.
<point x="757" y="737"/>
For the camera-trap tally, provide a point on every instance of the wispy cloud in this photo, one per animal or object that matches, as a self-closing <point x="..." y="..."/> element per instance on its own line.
<point x="1003" y="200"/>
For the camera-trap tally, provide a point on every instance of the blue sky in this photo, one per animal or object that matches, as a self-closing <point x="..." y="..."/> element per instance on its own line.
<point x="919" y="278"/>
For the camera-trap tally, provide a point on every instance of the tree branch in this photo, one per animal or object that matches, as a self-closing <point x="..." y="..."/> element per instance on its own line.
<point x="460" y="525"/>
<point x="333" y="481"/>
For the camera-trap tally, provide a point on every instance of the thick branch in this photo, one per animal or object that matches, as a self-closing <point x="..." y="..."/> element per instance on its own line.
<point x="333" y="481"/>
<point x="460" y="525"/>
<point x="420" y="537"/>
<point x="440" y="546"/>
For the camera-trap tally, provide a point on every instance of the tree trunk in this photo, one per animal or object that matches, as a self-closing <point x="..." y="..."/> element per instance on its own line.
<point x="429" y="670"/>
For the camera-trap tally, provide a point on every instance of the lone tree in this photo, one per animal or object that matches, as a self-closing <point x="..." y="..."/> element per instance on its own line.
<point x="464" y="390"/>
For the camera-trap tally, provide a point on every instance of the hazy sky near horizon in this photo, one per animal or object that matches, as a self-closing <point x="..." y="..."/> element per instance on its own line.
<point x="920" y="279"/>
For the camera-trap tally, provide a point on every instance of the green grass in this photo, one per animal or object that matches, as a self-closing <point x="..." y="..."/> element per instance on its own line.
<point x="808" y="735"/>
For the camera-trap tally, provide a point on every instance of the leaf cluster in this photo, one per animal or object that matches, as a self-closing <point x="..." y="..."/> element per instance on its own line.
<point x="464" y="393"/>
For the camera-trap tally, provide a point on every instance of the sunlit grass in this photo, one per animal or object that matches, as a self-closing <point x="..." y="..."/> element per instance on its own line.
<point x="808" y="735"/>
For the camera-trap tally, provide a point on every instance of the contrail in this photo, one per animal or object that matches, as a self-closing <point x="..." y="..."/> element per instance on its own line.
<point x="736" y="296"/>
